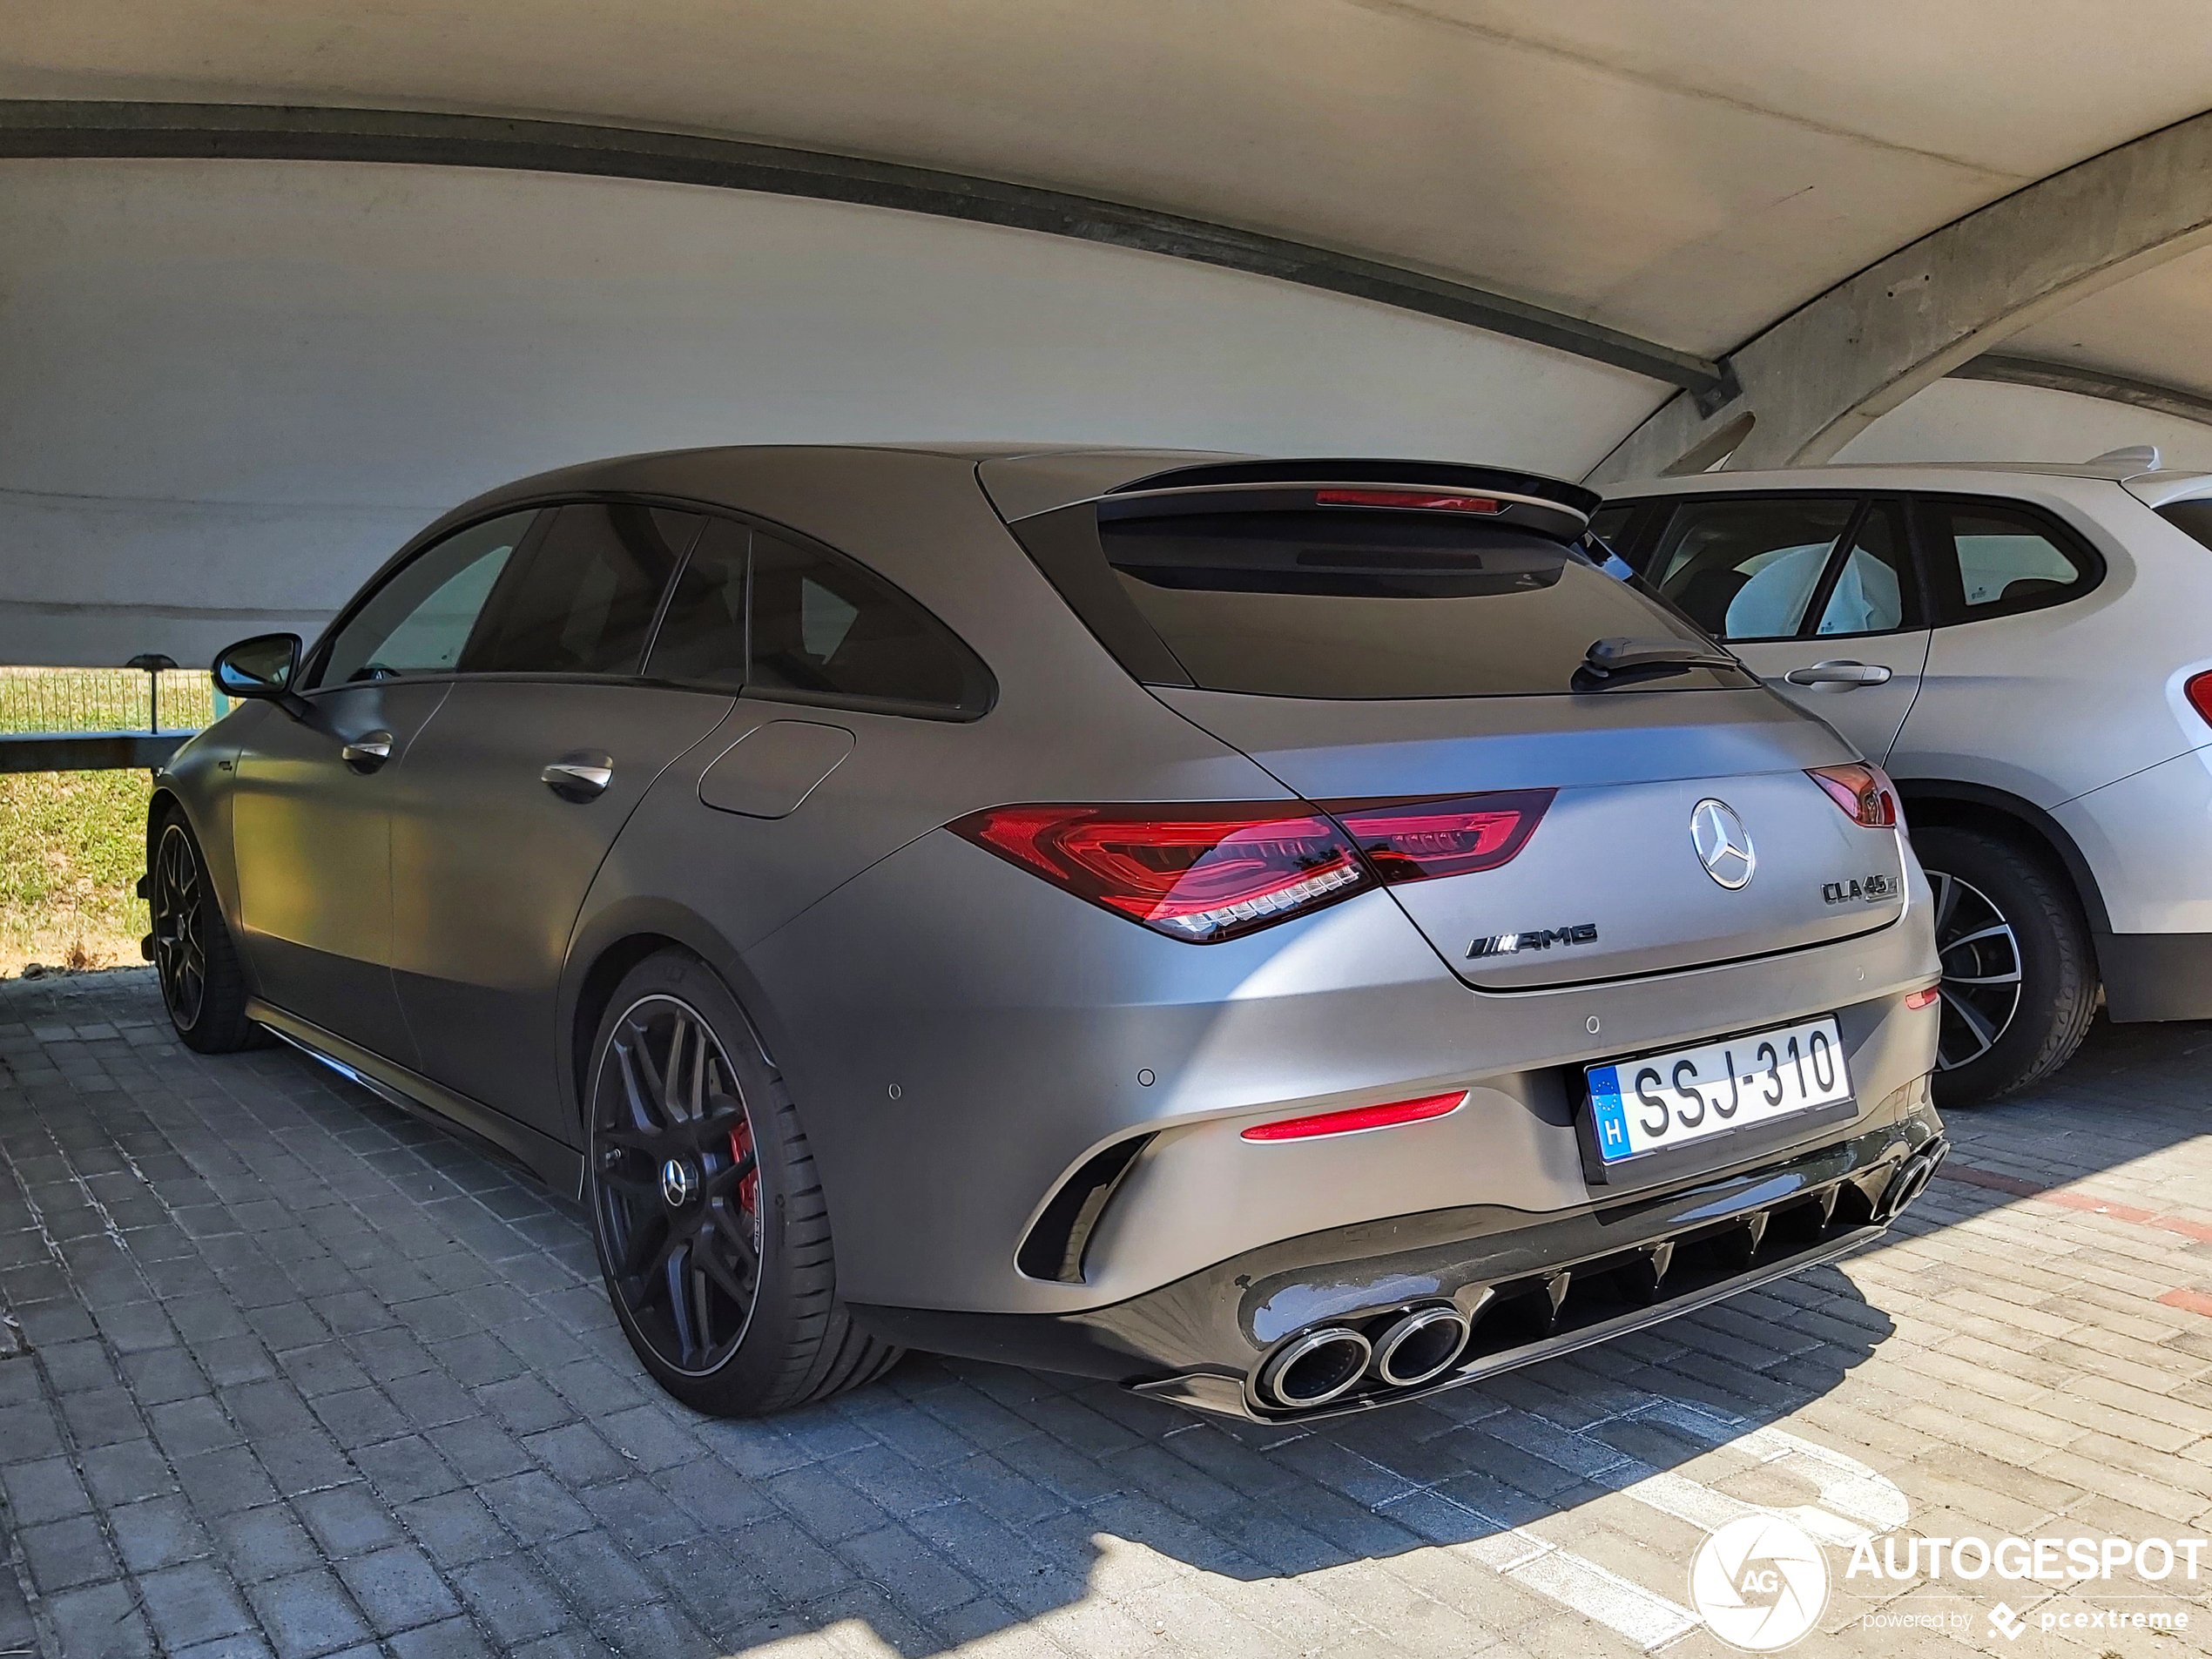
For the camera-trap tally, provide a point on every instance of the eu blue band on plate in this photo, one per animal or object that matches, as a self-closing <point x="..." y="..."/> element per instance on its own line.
<point x="1605" y="1103"/>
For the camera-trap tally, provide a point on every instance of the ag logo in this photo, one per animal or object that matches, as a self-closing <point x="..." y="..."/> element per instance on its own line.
<point x="1760" y="1581"/>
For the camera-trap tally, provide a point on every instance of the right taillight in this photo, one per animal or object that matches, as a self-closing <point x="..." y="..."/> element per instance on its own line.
<point x="1419" y="840"/>
<point x="2198" y="689"/>
<point x="1200" y="872"/>
<point x="1865" y="793"/>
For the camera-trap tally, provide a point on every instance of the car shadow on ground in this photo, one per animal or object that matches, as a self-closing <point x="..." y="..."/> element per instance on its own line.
<point x="248" y="1258"/>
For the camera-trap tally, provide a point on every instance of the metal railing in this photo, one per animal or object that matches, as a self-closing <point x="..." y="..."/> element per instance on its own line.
<point x="95" y="720"/>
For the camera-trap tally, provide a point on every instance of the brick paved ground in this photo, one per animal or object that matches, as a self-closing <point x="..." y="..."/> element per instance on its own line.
<point x="303" y="1376"/>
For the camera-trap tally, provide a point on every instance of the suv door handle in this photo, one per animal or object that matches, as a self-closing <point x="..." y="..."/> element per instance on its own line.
<point x="579" y="778"/>
<point x="368" y="751"/>
<point x="1839" y="673"/>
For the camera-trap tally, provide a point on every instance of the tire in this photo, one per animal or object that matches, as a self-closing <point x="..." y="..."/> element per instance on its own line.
<point x="2004" y="909"/>
<point x="706" y="1209"/>
<point x="203" y="983"/>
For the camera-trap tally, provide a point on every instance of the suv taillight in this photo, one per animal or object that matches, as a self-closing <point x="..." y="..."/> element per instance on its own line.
<point x="1864" y="791"/>
<point x="1212" y="871"/>
<point x="2198" y="689"/>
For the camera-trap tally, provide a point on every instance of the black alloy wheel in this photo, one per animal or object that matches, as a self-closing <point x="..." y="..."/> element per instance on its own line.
<point x="711" y="1226"/>
<point x="178" y="902"/>
<point x="678" y="1185"/>
<point x="202" y="984"/>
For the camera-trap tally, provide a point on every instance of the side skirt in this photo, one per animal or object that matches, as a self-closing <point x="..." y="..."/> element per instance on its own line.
<point x="540" y="1156"/>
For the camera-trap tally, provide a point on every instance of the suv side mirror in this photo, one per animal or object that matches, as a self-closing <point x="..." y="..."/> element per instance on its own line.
<point x="260" y="667"/>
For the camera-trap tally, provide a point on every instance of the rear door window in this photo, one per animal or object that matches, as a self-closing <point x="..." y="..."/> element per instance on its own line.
<point x="583" y="602"/>
<point x="1749" y="569"/>
<point x="1993" y="559"/>
<point x="1874" y="589"/>
<point x="1374" y="604"/>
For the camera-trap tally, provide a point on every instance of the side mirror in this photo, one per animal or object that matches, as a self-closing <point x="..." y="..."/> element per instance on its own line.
<point x="260" y="667"/>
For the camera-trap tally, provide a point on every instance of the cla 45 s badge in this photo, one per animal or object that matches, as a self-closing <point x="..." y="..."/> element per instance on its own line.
<point x="1582" y="932"/>
<point x="1868" y="889"/>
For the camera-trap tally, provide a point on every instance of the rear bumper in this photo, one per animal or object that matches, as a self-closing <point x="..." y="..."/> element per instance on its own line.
<point x="2156" y="977"/>
<point x="1530" y="1289"/>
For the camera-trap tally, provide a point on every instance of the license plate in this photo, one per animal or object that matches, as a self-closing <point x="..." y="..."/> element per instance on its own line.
<point x="1662" y="1101"/>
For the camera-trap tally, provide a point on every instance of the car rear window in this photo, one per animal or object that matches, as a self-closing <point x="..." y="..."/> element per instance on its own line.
<point x="1366" y="604"/>
<point x="2192" y="518"/>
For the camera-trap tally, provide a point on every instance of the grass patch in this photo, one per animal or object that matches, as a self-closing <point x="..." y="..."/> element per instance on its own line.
<point x="72" y="844"/>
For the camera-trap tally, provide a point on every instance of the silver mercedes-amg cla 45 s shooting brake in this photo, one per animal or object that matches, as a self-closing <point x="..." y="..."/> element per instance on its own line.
<point x="1285" y="936"/>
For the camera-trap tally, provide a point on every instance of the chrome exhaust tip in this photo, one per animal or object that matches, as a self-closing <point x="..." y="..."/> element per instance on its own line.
<point x="1913" y="1177"/>
<point x="1313" y="1369"/>
<point x="1420" y="1346"/>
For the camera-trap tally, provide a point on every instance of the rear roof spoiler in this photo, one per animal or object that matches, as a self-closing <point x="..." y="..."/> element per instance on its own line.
<point x="1434" y="475"/>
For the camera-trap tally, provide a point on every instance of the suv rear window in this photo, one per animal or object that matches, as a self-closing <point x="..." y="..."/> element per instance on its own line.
<point x="1331" y="603"/>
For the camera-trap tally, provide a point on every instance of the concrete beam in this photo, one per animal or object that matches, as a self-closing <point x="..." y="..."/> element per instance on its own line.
<point x="2088" y="382"/>
<point x="49" y="129"/>
<point x="1817" y="379"/>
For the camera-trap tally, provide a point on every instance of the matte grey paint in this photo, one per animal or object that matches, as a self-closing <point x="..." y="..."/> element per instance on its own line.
<point x="770" y="771"/>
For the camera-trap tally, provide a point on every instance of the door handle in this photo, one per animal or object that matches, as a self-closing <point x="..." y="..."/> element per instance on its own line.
<point x="368" y="751"/>
<point x="579" y="778"/>
<point x="1840" y="672"/>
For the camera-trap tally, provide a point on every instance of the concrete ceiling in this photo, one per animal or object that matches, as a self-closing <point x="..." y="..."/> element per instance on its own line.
<point x="1689" y="173"/>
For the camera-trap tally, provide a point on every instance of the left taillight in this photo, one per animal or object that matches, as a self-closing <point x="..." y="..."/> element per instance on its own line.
<point x="1865" y="793"/>
<point x="1203" y="873"/>
<point x="1195" y="873"/>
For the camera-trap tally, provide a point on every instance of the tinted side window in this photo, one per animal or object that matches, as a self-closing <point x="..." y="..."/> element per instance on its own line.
<point x="583" y="602"/>
<point x="1996" y="561"/>
<point x="702" y="636"/>
<point x="1749" y="569"/>
<point x="823" y="628"/>
<point x="419" y="621"/>
<point x="1874" y="590"/>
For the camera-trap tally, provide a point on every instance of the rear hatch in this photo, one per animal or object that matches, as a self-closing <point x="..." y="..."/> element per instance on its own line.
<point x="1380" y="640"/>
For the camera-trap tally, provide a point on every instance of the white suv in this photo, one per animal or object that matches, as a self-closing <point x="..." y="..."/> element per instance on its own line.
<point x="2029" y="650"/>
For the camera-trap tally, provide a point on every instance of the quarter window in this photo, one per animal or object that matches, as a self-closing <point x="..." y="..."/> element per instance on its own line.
<point x="419" y="621"/>
<point x="1748" y="570"/>
<point x="583" y="602"/>
<point x="823" y="629"/>
<point x="2002" y="560"/>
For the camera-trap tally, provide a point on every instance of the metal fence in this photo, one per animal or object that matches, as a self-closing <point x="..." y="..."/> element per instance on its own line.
<point x="102" y="700"/>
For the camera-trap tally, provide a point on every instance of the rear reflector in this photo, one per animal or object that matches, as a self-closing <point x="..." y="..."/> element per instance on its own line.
<point x="2198" y="690"/>
<point x="1865" y="793"/>
<point x="1357" y="1119"/>
<point x="1924" y="997"/>
<point x="1417" y="840"/>
<point x="1421" y="500"/>
<point x="1197" y="872"/>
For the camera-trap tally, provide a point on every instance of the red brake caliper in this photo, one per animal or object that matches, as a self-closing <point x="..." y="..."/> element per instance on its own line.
<point x="748" y="1189"/>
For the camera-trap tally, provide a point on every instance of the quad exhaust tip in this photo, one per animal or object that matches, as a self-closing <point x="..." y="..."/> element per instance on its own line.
<point x="1314" y="1369"/>
<point x="1913" y="1177"/>
<point x="1321" y="1365"/>
<point x="1420" y="1346"/>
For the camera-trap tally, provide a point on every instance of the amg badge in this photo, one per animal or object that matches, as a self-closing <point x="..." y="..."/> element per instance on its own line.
<point x="1582" y="933"/>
